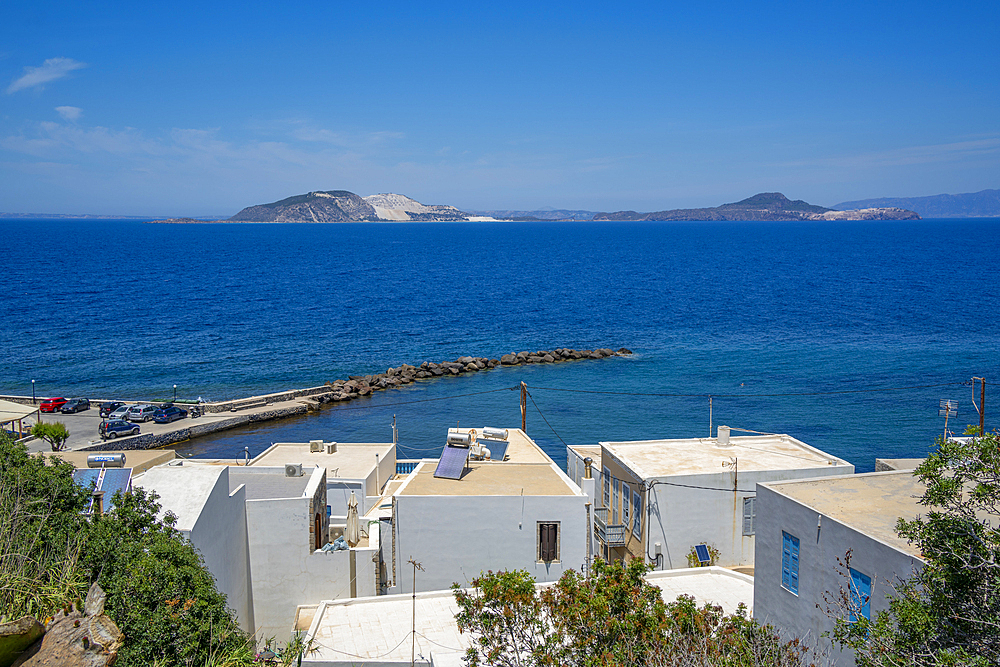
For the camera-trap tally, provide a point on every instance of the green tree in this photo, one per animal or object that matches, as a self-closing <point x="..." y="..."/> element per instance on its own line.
<point x="613" y="618"/>
<point x="54" y="433"/>
<point x="948" y="613"/>
<point x="42" y="532"/>
<point x="159" y="592"/>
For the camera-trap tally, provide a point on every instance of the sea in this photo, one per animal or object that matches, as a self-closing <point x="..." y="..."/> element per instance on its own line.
<point x="845" y="335"/>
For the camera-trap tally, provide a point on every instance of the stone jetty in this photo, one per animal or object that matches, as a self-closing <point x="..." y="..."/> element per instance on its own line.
<point x="224" y="415"/>
<point x="357" y="386"/>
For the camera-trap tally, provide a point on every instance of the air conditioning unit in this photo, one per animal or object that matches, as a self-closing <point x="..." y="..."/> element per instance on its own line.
<point x="315" y="446"/>
<point x="293" y="470"/>
<point x="331" y="448"/>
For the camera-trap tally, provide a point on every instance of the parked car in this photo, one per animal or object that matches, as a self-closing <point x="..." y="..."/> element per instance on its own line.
<point x="52" y="404"/>
<point x="121" y="412"/>
<point x="75" y="405"/>
<point x="112" y="428"/>
<point x="169" y="414"/>
<point x="141" y="413"/>
<point x="108" y="407"/>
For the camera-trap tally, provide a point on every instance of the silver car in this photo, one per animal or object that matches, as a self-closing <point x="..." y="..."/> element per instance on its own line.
<point x="120" y="413"/>
<point x="141" y="413"/>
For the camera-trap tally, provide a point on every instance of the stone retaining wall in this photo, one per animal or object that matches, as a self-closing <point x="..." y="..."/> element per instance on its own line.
<point x="153" y="441"/>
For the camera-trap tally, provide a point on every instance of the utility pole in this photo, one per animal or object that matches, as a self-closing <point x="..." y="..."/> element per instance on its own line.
<point x="710" y="416"/>
<point x="413" y="631"/>
<point x="524" y="407"/>
<point x="982" y="403"/>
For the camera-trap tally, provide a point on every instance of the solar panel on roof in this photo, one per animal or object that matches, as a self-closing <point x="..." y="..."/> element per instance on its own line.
<point x="702" y="551"/>
<point x="86" y="477"/>
<point x="115" y="479"/>
<point x="498" y="448"/>
<point x="452" y="463"/>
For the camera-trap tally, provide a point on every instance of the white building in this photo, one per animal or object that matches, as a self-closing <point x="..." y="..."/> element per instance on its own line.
<point x="516" y="511"/>
<point x="805" y="529"/>
<point x="659" y="499"/>
<point x="212" y="514"/>
<point x="286" y="515"/>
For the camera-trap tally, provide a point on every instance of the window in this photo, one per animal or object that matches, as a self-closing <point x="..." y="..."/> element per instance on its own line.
<point x="548" y="542"/>
<point x="637" y="515"/>
<point x="626" y="493"/>
<point x="749" y="514"/>
<point x="861" y="593"/>
<point x="790" y="562"/>
<point x="616" y="489"/>
<point x="607" y="487"/>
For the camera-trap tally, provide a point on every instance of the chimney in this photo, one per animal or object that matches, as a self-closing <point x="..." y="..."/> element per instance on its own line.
<point x="723" y="439"/>
<point x="587" y="462"/>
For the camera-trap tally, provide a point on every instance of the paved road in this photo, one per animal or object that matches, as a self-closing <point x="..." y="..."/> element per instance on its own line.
<point x="82" y="427"/>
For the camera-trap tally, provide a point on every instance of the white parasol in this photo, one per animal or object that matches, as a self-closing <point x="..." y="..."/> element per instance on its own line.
<point x="352" y="533"/>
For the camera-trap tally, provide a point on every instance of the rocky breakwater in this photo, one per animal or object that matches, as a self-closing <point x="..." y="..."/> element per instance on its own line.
<point x="357" y="386"/>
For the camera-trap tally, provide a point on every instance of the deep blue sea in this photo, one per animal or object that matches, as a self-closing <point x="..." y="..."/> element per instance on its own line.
<point x="770" y="318"/>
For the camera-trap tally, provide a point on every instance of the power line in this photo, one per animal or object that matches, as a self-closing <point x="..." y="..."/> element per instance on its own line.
<point x="802" y="393"/>
<point x="546" y="420"/>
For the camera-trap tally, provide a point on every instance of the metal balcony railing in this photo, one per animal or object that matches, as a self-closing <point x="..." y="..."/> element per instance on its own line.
<point x="613" y="535"/>
<point x="405" y="467"/>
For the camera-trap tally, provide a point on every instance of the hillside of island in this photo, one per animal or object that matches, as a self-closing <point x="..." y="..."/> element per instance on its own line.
<point x="764" y="206"/>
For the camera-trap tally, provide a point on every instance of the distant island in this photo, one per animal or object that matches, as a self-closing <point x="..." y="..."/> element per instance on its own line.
<point x="764" y="206"/>
<point x="344" y="206"/>
<point x="982" y="204"/>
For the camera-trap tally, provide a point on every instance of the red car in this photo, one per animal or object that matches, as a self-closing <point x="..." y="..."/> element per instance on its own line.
<point x="52" y="404"/>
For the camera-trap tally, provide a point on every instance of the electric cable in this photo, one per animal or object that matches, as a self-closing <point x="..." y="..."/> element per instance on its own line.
<point x="544" y="419"/>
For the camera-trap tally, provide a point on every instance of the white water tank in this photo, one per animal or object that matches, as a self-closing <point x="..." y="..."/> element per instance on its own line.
<point x="723" y="439"/>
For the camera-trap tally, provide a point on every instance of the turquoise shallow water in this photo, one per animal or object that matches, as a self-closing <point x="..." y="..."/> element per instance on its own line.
<point x="741" y="311"/>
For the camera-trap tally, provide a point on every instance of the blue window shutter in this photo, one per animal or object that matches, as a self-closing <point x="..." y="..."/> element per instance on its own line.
<point x="861" y="593"/>
<point x="790" y="562"/>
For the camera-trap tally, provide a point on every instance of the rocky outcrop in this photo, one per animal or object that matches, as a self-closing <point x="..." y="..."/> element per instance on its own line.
<point x="763" y="206"/>
<point x="75" y="638"/>
<point x="328" y="206"/>
<point x="401" y="208"/>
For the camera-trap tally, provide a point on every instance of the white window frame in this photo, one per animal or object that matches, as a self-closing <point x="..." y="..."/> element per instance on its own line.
<point x="616" y="489"/>
<point x="637" y="514"/>
<point x="607" y="487"/>
<point x="626" y="505"/>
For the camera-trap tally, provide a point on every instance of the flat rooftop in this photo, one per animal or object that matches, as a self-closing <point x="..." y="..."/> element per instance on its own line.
<point x="370" y="629"/>
<point x="139" y="460"/>
<point x="353" y="460"/>
<point x="869" y="502"/>
<point x="490" y="478"/>
<point x="698" y="456"/>
<point x="715" y="585"/>
<point x="182" y="490"/>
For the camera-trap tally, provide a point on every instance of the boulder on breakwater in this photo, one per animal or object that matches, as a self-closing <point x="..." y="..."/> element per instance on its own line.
<point x="364" y="385"/>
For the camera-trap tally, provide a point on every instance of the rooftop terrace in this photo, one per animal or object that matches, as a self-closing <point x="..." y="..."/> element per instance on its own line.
<point x="870" y="503"/>
<point x="353" y="460"/>
<point x="696" y="456"/>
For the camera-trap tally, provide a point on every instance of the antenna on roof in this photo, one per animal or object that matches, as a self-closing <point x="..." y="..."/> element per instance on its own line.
<point x="946" y="409"/>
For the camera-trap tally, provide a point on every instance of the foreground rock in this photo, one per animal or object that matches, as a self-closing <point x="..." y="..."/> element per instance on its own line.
<point x="87" y="638"/>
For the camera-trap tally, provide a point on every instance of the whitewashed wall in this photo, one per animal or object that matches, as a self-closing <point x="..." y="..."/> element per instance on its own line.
<point x="220" y="534"/>
<point x="797" y="615"/>
<point x="458" y="537"/>
<point x="679" y="517"/>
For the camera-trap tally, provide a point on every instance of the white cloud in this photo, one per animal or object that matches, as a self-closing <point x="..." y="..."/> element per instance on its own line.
<point x="50" y="70"/>
<point x="910" y="155"/>
<point x="69" y="113"/>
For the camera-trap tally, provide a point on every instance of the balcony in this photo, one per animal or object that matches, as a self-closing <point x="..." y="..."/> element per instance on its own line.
<point x="613" y="535"/>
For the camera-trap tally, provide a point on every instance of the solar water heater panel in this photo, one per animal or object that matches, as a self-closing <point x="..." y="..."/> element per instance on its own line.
<point x="86" y="477"/>
<point x="702" y="551"/>
<point x="115" y="479"/>
<point x="452" y="462"/>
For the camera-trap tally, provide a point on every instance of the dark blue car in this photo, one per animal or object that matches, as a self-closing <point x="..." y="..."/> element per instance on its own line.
<point x="167" y="415"/>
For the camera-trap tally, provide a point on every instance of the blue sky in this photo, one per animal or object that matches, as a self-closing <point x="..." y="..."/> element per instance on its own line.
<point x="202" y="108"/>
